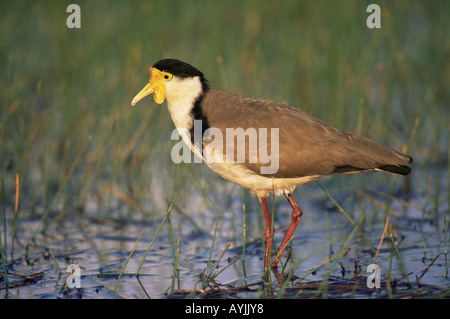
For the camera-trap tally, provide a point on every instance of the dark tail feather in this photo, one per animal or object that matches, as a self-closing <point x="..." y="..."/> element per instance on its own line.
<point x="402" y="170"/>
<point x="397" y="169"/>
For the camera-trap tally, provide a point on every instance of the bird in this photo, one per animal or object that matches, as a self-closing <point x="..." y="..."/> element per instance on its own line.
<point x="302" y="147"/>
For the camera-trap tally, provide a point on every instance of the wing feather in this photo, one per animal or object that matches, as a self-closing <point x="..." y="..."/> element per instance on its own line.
<point x="307" y="145"/>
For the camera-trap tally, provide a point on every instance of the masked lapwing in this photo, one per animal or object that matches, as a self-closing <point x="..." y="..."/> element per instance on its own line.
<point x="264" y="146"/>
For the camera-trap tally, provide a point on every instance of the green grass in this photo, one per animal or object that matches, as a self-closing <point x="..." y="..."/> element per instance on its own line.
<point x="67" y="129"/>
<point x="66" y="92"/>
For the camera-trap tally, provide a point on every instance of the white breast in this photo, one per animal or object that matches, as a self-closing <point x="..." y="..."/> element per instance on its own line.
<point x="181" y="94"/>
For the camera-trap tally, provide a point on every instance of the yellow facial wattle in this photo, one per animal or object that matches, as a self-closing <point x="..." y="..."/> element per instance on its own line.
<point x="156" y="85"/>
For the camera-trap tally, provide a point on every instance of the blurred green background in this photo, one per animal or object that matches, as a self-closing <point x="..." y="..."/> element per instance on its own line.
<point x="68" y="130"/>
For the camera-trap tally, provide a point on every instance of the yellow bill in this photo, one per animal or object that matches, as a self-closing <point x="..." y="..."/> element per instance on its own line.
<point x="156" y="85"/>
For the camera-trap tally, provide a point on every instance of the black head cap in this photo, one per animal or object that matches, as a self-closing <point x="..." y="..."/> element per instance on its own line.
<point x="177" y="67"/>
<point x="181" y="69"/>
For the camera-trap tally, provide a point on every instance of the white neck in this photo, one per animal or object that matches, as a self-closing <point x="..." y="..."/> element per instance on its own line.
<point x="181" y="94"/>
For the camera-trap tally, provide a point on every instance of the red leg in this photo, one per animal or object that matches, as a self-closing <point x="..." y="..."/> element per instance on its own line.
<point x="268" y="235"/>
<point x="296" y="216"/>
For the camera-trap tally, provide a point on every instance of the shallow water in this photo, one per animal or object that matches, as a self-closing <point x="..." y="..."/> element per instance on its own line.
<point x="100" y="245"/>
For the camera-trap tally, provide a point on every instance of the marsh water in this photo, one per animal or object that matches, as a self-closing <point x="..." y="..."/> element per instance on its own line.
<point x="329" y="256"/>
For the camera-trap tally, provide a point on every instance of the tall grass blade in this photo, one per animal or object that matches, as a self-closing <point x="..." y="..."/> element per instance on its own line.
<point x="154" y="237"/>
<point x="128" y="259"/>
<point x="402" y="264"/>
<point x="348" y="217"/>
<point x="176" y="270"/>
<point x="244" y="238"/>
<point x="212" y="244"/>
<point x="54" y="260"/>
<point x="381" y="239"/>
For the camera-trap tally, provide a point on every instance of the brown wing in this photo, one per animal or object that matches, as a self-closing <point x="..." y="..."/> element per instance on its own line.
<point x="307" y="146"/>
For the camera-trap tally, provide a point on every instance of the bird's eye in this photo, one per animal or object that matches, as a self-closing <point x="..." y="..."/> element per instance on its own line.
<point x="167" y="76"/>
